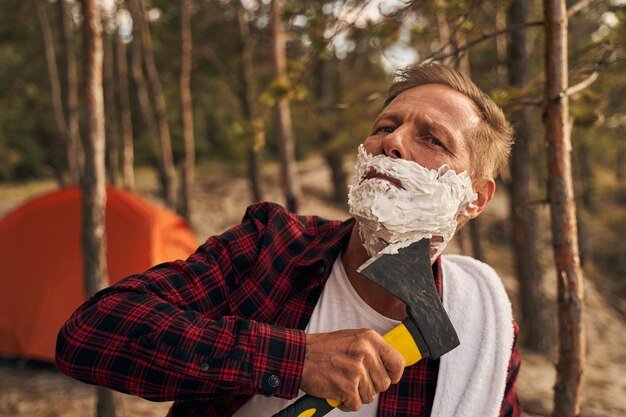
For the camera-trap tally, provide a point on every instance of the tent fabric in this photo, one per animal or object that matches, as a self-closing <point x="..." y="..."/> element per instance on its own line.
<point x="41" y="260"/>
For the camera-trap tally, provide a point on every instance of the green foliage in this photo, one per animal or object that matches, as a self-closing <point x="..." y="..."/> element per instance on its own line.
<point x="26" y="121"/>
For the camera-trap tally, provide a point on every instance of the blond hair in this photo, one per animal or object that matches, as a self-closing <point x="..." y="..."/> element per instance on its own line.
<point x="490" y="142"/>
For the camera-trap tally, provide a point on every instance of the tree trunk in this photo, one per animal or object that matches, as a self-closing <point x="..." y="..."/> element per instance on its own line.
<point x="333" y="158"/>
<point x="187" y="110"/>
<point x="247" y="98"/>
<point x="286" y="143"/>
<point x="563" y="214"/>
<point x="110" y="111"/>
<point x="74" y="159"/>
<point x="55" y="83"/>
<point x="167" y="160"/>
<point x="533" y="301"/>
<point x="128" y="154"/>
<point x="143" y="98"/>
<point x="338" y="178"/>
<point x="93" y="183"/>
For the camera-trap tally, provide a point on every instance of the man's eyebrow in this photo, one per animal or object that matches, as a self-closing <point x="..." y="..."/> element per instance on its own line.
<point x="443" y="132"/>
<point x="388" y="115"/>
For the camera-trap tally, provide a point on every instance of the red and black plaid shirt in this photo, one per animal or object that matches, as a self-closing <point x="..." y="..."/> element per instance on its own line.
<point x="227" y="323"/>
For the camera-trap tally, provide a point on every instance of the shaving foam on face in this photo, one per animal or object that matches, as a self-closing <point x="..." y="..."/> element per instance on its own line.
<point x="426" y="205"/>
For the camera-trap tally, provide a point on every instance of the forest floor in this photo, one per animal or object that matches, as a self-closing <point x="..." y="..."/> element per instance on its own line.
<point x="220" y="201"/>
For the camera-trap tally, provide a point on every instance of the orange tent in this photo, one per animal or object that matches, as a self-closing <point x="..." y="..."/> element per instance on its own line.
<point x="41" y="260"/>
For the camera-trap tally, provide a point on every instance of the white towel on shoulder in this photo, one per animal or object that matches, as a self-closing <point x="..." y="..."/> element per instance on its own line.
<point x="472" y="377"/>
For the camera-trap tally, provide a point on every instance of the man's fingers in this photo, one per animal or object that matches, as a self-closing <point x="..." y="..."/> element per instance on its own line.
<point x="352" y="402"/>
<point x="367" y="391"/>
<point x="394" y="363"/>
<point x="380" y="359"/>
<point x="351" y="365"/>
<point x="380" y="377"/>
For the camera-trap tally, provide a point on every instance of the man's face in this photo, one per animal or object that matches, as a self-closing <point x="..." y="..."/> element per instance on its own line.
<point x="429" y="125"/>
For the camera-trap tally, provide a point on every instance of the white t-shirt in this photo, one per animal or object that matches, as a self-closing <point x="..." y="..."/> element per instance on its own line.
<point x="339" y="307"/>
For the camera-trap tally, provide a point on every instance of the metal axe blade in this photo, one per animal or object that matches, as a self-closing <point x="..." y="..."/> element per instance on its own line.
<point x="409" y="276"/>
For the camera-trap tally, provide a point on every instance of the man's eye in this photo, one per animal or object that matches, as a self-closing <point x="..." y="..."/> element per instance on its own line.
<point x="386" y="129"/>
<point x="434" y="141"/>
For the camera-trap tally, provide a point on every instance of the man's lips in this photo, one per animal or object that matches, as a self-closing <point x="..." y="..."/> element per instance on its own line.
<point x="374" y="174"/>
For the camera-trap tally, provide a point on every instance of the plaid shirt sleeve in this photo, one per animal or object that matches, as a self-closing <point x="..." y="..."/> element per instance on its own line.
<point x="511" y="406"/>
<point x="169" y="333"/>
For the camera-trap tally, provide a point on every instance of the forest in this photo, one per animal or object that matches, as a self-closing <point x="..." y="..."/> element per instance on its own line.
<point x="206" y="106"/>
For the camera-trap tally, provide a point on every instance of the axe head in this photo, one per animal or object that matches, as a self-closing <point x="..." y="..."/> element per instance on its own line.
<point x="409" y="276"/>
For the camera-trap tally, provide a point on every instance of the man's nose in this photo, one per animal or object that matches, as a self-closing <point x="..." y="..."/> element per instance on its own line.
<point x="392" y="144"/>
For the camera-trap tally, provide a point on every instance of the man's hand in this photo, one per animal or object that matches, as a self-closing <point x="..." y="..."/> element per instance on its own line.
<point x="350" y="366"/>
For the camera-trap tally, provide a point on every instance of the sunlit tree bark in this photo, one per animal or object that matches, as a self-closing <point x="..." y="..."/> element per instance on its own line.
<point x="286" y="141"/>
<point x="563" y="214"/>
<point x="93" y="185"/>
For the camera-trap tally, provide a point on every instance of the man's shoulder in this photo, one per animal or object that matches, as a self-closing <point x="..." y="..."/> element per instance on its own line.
<point x="264" y="210"/>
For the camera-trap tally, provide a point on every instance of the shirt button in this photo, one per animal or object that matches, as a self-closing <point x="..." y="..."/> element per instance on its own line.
<point x="321" y="269"/>
<point x="273" y="381"/>
<point x="204" y="366"/>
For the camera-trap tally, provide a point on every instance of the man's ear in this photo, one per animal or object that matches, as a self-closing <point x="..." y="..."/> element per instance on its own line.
<point x="485" y="187"/>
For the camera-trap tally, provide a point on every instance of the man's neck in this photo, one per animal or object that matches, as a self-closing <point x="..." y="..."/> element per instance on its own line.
<point x="375" y="296"/>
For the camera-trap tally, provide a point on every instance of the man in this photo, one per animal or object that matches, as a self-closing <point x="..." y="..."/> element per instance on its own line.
<point x="275" y="306"/>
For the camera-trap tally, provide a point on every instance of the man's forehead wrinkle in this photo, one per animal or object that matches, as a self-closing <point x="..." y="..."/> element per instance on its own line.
<point x="401" y="115"/>
<point x="392" y="115"/>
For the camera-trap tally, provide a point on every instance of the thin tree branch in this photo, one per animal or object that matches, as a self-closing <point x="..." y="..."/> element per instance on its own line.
<point x="483" y="38"/>
<point x="582" y="4"/>
<point x="582" y="85"/>
<point x="600" y="64"/>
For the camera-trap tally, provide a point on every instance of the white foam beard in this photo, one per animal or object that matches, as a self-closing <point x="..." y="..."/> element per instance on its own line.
<point x="427" y="205"/>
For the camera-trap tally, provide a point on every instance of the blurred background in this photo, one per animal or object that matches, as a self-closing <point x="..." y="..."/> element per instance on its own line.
<point x="210" y="105"/>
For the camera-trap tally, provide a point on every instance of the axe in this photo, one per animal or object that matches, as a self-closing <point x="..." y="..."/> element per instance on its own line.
<point x="427" y="330"/>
